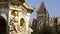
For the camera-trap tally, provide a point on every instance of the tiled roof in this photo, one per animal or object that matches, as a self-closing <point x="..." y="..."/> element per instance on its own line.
<point x="42" y="7"/>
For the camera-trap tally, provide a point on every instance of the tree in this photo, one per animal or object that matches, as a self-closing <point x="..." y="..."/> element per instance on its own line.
<point x="47" y="30"/>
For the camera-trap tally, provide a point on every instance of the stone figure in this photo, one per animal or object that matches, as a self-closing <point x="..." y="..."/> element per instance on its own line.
<point x="14" y="24"/>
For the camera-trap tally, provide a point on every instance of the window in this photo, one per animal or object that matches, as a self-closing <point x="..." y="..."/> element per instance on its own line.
<point x="22" y="22"/>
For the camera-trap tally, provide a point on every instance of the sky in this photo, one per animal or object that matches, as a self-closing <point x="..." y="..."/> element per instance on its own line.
<point x="53" y="7"/>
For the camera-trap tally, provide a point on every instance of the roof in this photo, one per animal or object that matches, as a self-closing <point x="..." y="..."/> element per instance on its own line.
<point x="42" y="7"/>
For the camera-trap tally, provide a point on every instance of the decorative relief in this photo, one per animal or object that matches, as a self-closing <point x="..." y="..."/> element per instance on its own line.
<point x="14" y="26"/>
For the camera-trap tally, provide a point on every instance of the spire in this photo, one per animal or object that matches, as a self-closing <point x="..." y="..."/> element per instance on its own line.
<point x="42" y="7"/>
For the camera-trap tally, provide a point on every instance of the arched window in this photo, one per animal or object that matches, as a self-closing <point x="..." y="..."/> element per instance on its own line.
<point x="22" y="22"/>
<point x="2" y="25"/>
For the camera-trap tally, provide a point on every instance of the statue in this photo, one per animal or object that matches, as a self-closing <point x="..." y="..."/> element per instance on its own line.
<point x="14" y="24"/>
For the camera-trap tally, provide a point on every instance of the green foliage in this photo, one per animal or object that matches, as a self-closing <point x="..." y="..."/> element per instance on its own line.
<point x="45" y="30"/>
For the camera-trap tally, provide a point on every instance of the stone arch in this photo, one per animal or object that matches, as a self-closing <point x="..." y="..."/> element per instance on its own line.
<point x="4" y="15"/>
<point x="22" y="22"/>
<point x="3" y="27"/>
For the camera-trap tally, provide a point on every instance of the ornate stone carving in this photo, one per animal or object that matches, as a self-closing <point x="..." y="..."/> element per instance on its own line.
<point x="14" y="24"/>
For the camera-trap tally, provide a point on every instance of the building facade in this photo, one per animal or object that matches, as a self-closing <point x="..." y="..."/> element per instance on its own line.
<point x="51" y="21"/>
<point x="57" y="23"/>
<point x="14" y="17"/>
<point x="42" y="16"/>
